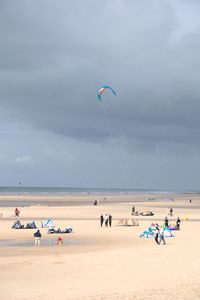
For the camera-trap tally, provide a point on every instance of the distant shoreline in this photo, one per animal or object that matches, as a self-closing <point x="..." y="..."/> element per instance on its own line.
<point x="27" y="200"/>
<point x="59" y="191"/>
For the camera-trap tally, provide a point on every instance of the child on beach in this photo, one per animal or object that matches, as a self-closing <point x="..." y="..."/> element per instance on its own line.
<point x="59" y="241"/>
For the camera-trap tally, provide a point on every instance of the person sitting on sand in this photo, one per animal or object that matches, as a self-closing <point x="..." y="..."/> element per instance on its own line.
<point x="133" y="210"/>
<point x="17" y="225"/>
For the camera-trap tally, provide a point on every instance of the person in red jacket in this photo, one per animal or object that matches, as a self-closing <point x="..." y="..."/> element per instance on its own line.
<point x="17" y="212"/>
<point x="59" y="241"/>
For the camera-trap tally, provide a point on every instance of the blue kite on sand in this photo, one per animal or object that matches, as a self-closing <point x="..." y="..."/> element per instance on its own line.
<point x="152" y="230"/>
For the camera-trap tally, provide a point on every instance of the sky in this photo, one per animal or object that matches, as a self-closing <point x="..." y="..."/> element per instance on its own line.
<point x="55" y="55"/>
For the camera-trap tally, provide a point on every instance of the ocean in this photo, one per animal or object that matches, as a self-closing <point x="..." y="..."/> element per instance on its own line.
<point x="20" y="190"/>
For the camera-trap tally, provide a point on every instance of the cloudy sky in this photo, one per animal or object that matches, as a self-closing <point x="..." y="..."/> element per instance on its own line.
<point x="54" y="55"/>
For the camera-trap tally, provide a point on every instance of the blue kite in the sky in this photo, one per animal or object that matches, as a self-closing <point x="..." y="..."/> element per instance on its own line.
<point x="102" y="89"/>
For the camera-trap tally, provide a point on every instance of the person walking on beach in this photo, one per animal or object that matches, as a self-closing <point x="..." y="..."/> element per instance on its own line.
<point x="157" y="233"/>
<point x="171" y="212"/>
<point x="17" y="212"/>
<point x="101" y="220"/>
<point x="156" y="237"/>
<point x="161" y="236"/>
<point x="166" y="222"/>
<point x="110" y="220"/>
<point x="178" y="222"/>
<point x="106" y="220"/>
<point x="37" y="236"/>
<point x="133" y="210"/>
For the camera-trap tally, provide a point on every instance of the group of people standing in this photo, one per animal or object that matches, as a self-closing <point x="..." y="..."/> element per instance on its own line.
<point x="107" y="220"/>
<point x="178" y="222"/>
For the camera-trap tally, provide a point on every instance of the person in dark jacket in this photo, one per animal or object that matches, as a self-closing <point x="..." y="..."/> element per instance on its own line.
<point x="110" y="220"/>
<point x="178" y="222"/>
<point x="101" y="220"/>
<point x="37" y="236"/>
<point x="133" y="210"/>
<point x="106" y="220"/>
<point x="156" y="237"/>
<point x="166" y="222"/>
<point x="157" y="233"/>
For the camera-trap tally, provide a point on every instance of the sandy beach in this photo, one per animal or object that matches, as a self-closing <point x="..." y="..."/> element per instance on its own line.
<point x="99" y="262"/>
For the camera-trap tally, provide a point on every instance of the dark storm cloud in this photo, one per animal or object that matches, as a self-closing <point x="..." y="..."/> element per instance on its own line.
<point x="55" y="54"/>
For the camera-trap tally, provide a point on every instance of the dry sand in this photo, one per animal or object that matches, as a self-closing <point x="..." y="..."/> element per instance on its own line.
<point x="99" y="263"/>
